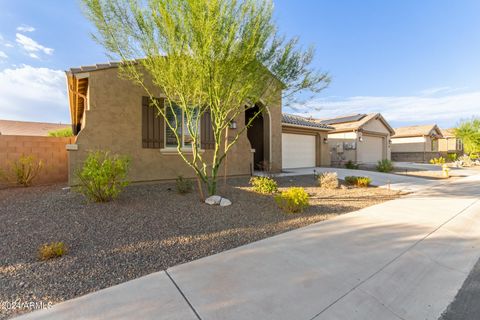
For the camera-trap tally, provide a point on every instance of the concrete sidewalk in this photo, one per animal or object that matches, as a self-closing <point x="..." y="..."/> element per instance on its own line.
<point x="402" y="259"/>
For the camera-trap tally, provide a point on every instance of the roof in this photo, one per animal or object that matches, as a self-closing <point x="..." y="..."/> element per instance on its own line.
<point x="100" y="66"/>
<point x="448" y="133"/>
<point x="354" y="122"/>
<point x="290" y="119"/>
<point x="418" y="131"/>
<point x="25" y="128"/>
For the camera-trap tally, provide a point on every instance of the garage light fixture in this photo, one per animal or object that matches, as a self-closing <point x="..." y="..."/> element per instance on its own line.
<point x="233" y="124"/>
<point x="325" y="140"/>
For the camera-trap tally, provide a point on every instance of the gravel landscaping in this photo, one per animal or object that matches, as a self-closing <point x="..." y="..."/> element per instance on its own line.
<point x="148" y="228"/>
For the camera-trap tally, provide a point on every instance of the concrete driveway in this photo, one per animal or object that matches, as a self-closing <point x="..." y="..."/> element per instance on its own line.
<point x="402" y="259"/>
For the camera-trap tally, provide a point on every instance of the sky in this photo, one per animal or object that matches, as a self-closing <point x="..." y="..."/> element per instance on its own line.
<point x="416" y="62"/>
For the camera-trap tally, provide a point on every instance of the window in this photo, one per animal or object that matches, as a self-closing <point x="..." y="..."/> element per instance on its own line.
<point x="176" y="118"/>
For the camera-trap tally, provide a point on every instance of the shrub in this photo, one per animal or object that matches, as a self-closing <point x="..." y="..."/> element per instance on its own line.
<point x="452" y="157"/>
<point x="328" y="180"/>
<point x="103" y="176"/>
<point x="351" y="165"/>
<point x="292" y="200"/>
<point x="465" y="161"/>
<point x="52" y="250"/>
<point x="264" y="185"/>
<point x="474" y="156"/>
<point x="438" y="161"/>
<point x="23" y="171"/>
<point x="362" y="182"/>
<point x="65" y="132"/>
<point x="183" y="185"/>
<point x="385" y="165"/>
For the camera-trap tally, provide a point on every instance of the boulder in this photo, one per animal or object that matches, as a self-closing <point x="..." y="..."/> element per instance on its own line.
<point x="225" y="202"/>
<point x="213" y="200"/>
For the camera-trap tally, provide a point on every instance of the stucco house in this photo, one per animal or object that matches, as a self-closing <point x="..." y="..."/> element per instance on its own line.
<point x="360" y="138"/>
<point x="304" y="142"/>
<point x="111" y="113"/>
<point x="450" y="144"/>
<point x="418" y="143"/>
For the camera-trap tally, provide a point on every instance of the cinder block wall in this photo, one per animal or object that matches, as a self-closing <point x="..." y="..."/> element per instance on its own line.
<point x="51" y="150"/>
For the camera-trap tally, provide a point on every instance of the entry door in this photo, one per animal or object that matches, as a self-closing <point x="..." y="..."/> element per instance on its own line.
<point x="298" y="151"/>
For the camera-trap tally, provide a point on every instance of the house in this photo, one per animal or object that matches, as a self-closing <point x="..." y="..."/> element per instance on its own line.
<point x="418" y="143"/>
<point x="360" y="138"/>
<point x="27" y="128"/>
<point x="304" y="142"/>
<point x="111" y="113"/>
<point x="450" y="144"/>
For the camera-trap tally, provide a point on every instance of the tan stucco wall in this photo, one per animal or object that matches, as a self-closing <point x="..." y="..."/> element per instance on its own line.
<point x="448" y="145"/>
<point x="409" y="144"/>
<point x="113" y="122"/>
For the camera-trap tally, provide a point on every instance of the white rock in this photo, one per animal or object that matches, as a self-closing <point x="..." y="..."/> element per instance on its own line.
<point x="225" y="202"/>
<point x="213" y="200"/>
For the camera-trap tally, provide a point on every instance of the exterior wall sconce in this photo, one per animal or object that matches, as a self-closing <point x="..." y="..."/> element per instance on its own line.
<point x="389" y="143"/>
<point x="233" y="124"/>
<point x="360" y="136"/>
<point x="325" y="140"/>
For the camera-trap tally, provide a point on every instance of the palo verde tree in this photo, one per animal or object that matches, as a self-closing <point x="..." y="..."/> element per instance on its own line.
<point x="469" y="132"/>
<point x="215" y="56"/>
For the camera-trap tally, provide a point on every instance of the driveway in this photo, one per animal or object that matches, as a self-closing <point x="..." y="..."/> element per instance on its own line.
<point x="402" y="259"/>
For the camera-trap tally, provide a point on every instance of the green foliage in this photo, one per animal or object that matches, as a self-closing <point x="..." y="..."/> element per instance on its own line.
<point x="469" y="132"/>
<point x="452" y="157"/>
<point x="183" y="185"/>
<point x="103" y="176"/>
<point x="293" y="200"/>
<point x="351" y="165"/>
<point x="385" y="165"/>
<point x="328" y="180"/>
<point x="22" y="171"/>
<point x="52" y="250"/>
<point x="438" y="161"/>
<point x="205" y="55"/>
<point x="264" y="185"/>
<point x="361" y="182"/>
<point x="474" y="156"/>
<point x="66" y="132"/>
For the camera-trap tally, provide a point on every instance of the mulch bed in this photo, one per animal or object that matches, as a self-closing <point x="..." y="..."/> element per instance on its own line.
<point x="148" y="228"/>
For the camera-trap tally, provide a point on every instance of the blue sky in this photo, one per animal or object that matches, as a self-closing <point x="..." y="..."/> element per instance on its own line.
<point x="414" y="61"/>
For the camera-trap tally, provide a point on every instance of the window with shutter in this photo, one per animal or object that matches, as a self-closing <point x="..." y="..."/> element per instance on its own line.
<point x="153" y="129"/>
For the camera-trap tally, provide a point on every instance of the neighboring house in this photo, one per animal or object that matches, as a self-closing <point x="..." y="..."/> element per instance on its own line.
<point x="111" y="113"/>
<point x="418" y="143"/>
<point x="304" y="142"/>
<point x="27" y="128"/>
<point x="450" y="143"/>
<point x="360" y="138"/>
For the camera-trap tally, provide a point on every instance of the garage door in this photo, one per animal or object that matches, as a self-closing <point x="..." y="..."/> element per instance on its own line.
<point x="371" y="149"/>
<point x="298" y="151"/>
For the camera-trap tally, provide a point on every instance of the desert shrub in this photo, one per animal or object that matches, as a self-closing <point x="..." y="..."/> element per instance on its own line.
<point x="328" y="180"/>
<point x="465" y="161"/>
<point x="452" y="157"/>
<point x="52" y="250"/>
<point x="474" y="156"/>
<point x="293" y="200"/>
<point x="183" y="185"/>
<point x="385" y="165"/>
<point x="438" y="161"/>
<point x="351" y="165"/>
<point x="65" y="132"/>
<point x="362" y="182"/>
<point x="22" y="171"/>
<point x="103" y="176"/>
<point x="264" y="185"/>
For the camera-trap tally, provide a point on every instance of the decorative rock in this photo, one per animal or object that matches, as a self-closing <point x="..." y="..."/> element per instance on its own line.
<point x="213" y="200"/>
<point x="225" y="202"/>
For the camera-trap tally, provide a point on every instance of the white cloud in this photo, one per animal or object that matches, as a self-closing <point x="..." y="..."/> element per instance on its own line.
<point x="432" y="106"/>
<point x="25" y="28"/>
<point x="36" y="94"/>
<point x="3" y="55"/>
<point x="9" y="45"/>
<point x="32" y="46"/>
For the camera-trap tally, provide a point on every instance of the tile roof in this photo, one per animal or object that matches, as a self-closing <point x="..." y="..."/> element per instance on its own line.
<point x="418" y="130"/>
<point x="25" y="128"/>
<point x="99" y="66"/>
<point x="304" y="122"/>
<point x="354" y="122"/>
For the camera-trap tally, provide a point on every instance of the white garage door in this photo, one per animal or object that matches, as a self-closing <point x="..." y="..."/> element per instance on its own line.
<point x="298" y="151"/>
<point x="371" y="149"/>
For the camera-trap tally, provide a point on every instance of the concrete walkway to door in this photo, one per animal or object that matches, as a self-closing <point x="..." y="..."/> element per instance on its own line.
<point x="402" y="259"/>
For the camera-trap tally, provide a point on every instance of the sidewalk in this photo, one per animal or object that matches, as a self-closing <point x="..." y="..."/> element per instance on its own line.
<point x="402" y="259"/>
